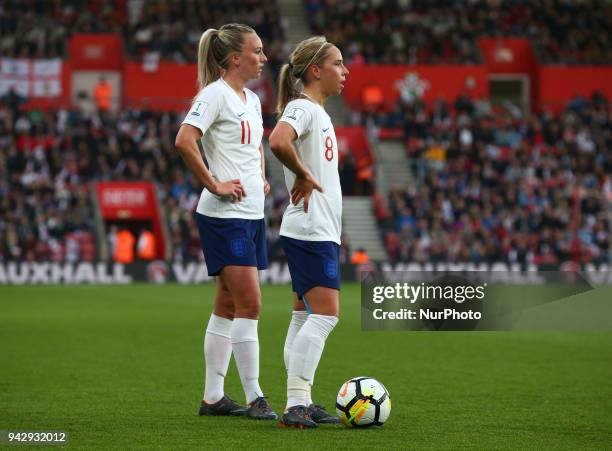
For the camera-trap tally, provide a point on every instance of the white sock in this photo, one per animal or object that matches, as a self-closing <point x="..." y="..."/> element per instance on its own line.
<point x="245" y="345"/>
<point x="304" y="357"/>
<point x="217" y="355"/>
<point x="298" y="318"/>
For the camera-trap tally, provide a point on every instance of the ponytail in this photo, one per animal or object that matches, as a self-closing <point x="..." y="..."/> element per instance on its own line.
<point x="287" y="88"/>
<point x="208" y="67"/>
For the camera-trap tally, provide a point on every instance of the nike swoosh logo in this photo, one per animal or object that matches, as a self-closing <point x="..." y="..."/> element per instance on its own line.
<point x="325" y="129"/>
<point x="240" y="115"/>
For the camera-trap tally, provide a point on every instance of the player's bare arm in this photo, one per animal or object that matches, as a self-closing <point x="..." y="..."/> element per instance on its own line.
<point x="186" y="143"/>
<point x="281" y="143"/>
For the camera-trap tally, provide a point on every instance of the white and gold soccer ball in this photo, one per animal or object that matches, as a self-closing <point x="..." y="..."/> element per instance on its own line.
<point x="362" y="402"/>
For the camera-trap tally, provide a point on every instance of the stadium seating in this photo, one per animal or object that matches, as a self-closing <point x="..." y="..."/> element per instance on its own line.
<point x="489" y="184"/>
<point x="441" y="31"/>
<point x="493" y="187"/>
<point x="171" y="29"/>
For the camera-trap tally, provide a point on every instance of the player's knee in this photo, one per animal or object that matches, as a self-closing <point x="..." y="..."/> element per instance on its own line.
<point x="326" y="309"/>
<point x="224" y="311"/>
<point x="331" y="310"/>
<point x="249" y="306"/>
<point x="335" y="309"/>
<point x="224" y="305"/>
<point x="252" y="310"/>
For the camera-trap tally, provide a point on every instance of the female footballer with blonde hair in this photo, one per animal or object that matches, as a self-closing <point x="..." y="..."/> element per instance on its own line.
<point x="226" y="119"/>
<point x="305" y="142"/>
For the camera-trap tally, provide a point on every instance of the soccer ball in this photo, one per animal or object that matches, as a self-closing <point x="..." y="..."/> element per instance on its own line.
<point x="363" y="402"/>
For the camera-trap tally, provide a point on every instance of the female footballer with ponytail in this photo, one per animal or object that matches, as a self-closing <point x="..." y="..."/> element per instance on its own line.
<point x="225" y="118"/>
<point x="305" y="142"/>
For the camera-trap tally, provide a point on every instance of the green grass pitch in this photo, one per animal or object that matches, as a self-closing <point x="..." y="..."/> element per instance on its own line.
<point x="121" y="368"/>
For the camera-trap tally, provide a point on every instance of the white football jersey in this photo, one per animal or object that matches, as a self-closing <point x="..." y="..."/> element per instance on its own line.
<point x="317" y="148"/>
<point x="231" y="136"/>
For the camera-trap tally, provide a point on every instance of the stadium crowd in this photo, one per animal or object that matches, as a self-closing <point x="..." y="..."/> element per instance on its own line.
<point x="446" y="31"/>
<point x="488" y="186"/>
<point x="170" y="30"/>
<point x="48" y="161"/>
<point x="491" y="185"/>
<point x="390" y="31"/>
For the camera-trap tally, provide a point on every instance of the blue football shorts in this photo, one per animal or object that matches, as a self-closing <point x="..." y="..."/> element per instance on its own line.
<point x="312" y="264"/>
<point x="232" y="241"/>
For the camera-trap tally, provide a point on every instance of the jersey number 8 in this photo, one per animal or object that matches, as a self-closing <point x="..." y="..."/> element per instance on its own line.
<point x="329" y="149"/>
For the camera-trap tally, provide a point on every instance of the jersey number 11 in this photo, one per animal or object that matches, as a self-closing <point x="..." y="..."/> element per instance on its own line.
<point x="246" y="127"/>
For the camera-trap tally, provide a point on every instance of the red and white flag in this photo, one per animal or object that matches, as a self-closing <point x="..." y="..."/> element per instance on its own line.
<point x="31" y="77"/>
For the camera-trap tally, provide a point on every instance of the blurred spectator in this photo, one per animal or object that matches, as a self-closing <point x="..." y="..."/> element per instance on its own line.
<point x="348" y="174"/>
<point x="102" y="94"/>
<point x="146" y="245"/>
<point x="360" y="256"/>
<point x="13" y="101"/>
<point x="124" y="246"/>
